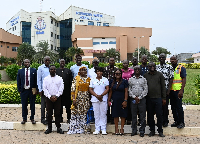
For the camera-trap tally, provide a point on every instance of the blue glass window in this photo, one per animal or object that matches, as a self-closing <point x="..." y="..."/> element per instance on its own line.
<point x="105" y="24"/>
<point x="104" y="42"/>
<point x="98" y="23"/>
<point x="26" y="32"/>
<point x="90" y="23"/>
<point x="7" y="46"/>
<point x="112" y="42"/>
<point x="96" y="43"/>
<point x="14" y="48"/>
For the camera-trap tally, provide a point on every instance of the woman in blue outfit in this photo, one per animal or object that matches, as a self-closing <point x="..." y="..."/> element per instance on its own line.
<point x="118" y="96"/>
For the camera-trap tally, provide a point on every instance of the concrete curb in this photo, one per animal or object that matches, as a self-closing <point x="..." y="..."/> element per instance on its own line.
<point x="187" y="131"/>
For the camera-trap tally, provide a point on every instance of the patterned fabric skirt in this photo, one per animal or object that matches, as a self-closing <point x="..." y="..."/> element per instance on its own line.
<point x="78" y="114"/>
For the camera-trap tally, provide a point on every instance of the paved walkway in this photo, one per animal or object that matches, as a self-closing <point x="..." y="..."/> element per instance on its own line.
<point x="37" y="137"/>
<point x="10" y="114"/>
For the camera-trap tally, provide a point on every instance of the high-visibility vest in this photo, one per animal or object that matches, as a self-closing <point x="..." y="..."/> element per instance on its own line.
<point x="177" y="81"/>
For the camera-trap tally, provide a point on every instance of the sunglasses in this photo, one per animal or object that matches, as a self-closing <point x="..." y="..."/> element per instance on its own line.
<point x="118" y="73"/>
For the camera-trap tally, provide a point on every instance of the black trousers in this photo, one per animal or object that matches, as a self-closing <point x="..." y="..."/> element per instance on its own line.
<point x="166" y="111"/>
<point x="68" y="111"/>
<point x="56" y="106"/>
<point x="25" y="95"/>
<point x="154" y="105"/>
<point x="141" y="107"/>
<point x="176" y="106"/>
<point x="43" y="107"/>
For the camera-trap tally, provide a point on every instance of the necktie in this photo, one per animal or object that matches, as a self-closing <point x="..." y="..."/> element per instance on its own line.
<point x="27" y="82"/>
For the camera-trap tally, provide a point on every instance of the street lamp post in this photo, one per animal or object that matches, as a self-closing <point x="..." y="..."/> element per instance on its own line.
<point x="139" y="46"/>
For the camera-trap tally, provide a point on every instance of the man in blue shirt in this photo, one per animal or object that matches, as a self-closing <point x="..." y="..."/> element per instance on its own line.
<point x="42" y="72"/>
<point x="75" y="68"/>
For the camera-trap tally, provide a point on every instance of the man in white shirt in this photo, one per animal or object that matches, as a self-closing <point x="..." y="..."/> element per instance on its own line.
<point x="91" y="72"/>
<point x="53" y="87"/>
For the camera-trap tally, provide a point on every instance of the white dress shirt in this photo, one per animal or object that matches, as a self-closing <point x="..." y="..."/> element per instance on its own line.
<point x="53" y="86"/>
<point x="28" y="86"/>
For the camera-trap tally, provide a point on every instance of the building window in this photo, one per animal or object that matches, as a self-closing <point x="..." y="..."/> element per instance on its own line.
<point x="51" y="47"/>
<point x="1" y="46"/>
<point x="57" y="25"/>
<point x="98" y="23"/>
<point x="51" y="21"/>
<point x="105" y="24"/>
<point x="51" y="34"/>
<point x="55" y="48"/>
<point x="7" y="46"/>
<point x="81" y="20"/>
<point x="104" y="42"/>
<point x="14" y="49"/>
<point x="112" y="42"/>
<point x="15" y="27"/>
<point x="96" y="43"/>
<point x="57" y="36"/>
<point x="90" y="23"/>
<point x="77" y="20"/>
<point x="197" y="59"/>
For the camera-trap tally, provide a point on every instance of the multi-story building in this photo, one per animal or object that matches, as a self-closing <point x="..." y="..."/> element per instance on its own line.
<point x="94" y="41"/>
<point x="57" y="30"/>
<point x="9" y="44"/>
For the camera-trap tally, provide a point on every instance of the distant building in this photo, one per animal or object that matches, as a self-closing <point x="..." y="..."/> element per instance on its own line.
<point x="57" y="30"/>
<point x="9" y="44"/>
<point x="182" y="57"/>
<point x="196" y="57"/>
<point x="94" y="41"/>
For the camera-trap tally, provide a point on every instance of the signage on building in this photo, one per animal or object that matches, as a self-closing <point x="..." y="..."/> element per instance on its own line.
<point x="14" y="21"/>
<point x="40" y="25"/>
<point x="89" y="16"/>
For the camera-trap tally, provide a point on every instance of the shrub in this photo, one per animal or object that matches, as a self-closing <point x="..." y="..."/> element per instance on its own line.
<point x="0" y="76"/>
<point x="103" y="64"/>
<point x="2" y="67"/>
<point x="35" y="65"/>
<point x="86" y="63"/>
<point x="12" y="71"/>
<point x="57" y="65"/>
<point x="70" y="64"/>
<point x="10" y="95"/>
<point x="197" y="85"/>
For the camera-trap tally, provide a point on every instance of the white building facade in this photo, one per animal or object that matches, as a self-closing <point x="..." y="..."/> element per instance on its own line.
<point x="57" y="30"/>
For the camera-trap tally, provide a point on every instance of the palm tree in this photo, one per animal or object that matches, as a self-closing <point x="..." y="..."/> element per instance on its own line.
<point x="142" y="51"/>
<point x="44" y="50"/>
<point x="112" y="52"/>
<point x="72" y="51"/>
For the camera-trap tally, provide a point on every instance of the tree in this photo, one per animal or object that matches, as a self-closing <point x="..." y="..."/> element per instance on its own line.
<point x="72" y="51"/>
<point x="160" y="50"/>
<point x="2" y="60"/>
<point x="153" y="58"/>
<point x="25" y="51"/>
<point x="142" y="51"/>
<point x="44" y="50"/>
<point x="112" y="52"/>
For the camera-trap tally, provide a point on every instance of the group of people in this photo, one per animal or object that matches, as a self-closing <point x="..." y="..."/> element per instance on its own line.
<point x="112" y="92"/>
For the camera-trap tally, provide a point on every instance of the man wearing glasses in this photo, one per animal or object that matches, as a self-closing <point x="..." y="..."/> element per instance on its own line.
<point x="42" y="72"/>
<point x="155" y="98"/>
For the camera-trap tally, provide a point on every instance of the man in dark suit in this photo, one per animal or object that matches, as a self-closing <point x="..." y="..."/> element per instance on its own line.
<point x="26" y="84"/>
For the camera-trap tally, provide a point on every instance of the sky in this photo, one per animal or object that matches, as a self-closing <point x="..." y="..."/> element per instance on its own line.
<point x="175" y="23"/>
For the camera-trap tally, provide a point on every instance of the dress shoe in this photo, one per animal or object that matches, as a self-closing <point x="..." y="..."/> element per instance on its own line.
<point x="165" y="124"/>
<point x="141" y="134"/>
<point x="24" y="121"/>
<point x="152" y="133"/>
<point x="133" y="133"/>
<point x="161" y="134"/>
<point x="181" y="125"/>
<point x="33" y="121"/>
<point x="44" y="122"/>
<point x="59" y="130"/>
<point x="175" y="124"/>
<point x="48" y="131"/>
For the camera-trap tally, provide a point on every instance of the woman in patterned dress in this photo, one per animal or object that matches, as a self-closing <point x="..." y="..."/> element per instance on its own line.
<point x="81" y="102"/>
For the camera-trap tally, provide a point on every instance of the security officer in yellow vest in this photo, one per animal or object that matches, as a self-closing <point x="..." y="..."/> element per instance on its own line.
<point x="176" y="93"/>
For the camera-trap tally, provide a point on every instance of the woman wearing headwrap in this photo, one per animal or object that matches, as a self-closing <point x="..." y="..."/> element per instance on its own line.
<point x="81" y="102"/>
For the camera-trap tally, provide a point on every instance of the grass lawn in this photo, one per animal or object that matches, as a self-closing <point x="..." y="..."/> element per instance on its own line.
<point x="8" y="82"/>
<point x="189" y="92"/>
